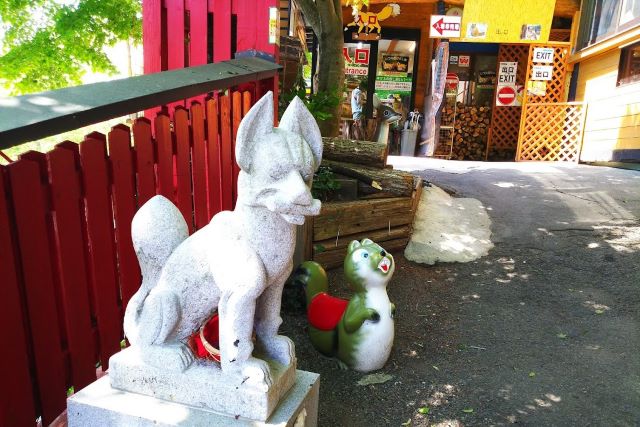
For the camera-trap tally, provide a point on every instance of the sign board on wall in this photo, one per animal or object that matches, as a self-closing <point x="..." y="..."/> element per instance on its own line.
<point x="443" y="26"/>
<point x="395" y="65"/>
<point x="542" y="72"/>
<point x="393" y="84"/>
<point x="500" y="21"/>
<point x="507" y="73"/>
<point x="356" y="61"/>
<point x="509" y="95"/>
<point x="537" y="88"/>
<point x="464" y="60"/>
<point x="543" y="54"/>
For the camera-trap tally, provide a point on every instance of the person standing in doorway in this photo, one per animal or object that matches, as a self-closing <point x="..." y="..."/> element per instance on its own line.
<point x="358" y="99"/>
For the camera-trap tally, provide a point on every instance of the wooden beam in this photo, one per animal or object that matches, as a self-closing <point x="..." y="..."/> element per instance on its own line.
<point x="29" y="117"/>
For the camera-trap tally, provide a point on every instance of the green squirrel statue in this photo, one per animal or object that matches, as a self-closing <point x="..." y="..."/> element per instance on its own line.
<point x="358" y="332"/>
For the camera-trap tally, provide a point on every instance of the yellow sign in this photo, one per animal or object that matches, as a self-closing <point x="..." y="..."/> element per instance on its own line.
<point x="370" y="21"/>
<point x="499" y="21"/>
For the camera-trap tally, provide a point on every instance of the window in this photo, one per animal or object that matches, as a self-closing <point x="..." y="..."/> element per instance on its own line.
<point x="629" y="71"/>
<point x="602" y="19"/>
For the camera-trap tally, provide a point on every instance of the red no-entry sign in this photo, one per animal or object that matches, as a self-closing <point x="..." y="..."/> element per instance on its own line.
<point x="506" y="96"/>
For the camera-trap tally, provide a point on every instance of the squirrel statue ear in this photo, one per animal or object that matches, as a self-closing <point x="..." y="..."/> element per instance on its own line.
<point x="298" y="119"/>
<point x="353" y="245"/>
<point x="366" y="242"/>
<point x="257" y="122"/>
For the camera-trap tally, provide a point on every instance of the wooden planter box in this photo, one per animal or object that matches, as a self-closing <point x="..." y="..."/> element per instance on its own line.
<point x="386" y="221"/>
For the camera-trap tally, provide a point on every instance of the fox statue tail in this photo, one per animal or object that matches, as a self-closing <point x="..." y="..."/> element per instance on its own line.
<point x="312" y="278"/>
<point x="156" y="230"/>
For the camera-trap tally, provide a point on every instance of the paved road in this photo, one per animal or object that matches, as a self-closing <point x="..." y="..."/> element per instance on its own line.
<point x="544" y="331"/>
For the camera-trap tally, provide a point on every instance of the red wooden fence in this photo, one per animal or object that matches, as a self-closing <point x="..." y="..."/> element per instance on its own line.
<point x="68" y="267"/>
<point x="185" y="33"/>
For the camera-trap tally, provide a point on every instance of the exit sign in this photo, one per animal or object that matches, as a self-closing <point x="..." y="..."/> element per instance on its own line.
<point x="543" y="54"/>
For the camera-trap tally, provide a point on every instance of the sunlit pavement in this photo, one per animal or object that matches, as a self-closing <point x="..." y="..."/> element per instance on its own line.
<point x="543" y="331"/>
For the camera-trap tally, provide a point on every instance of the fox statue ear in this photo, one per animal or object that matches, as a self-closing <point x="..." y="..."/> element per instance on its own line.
<point x="257" y="122"/>
<point x="298" y="119"/>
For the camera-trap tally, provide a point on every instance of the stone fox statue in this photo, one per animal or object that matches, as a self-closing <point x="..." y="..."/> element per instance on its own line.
<point x="238" y="263"/>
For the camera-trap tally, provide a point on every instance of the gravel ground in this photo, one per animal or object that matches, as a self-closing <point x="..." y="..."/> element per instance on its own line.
<point x="544" y="331"/>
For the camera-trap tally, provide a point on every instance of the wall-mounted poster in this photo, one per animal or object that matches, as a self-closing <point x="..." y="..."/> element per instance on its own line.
<point x="356" y="60"/>
<point x="476" y="30"/>
<point x="537" y="88"/>
<point x="395" y="65"/>
<point x="464" y="60"/>
<point x="530" y="32"/>
<point x="543" y="54"/>
<point x="504" y="20"/>
<point x="542" y="72"/>
<point x="507" y="73"/>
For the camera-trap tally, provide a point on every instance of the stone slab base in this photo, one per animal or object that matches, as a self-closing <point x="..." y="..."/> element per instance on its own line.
<point x="101" y="405"/>
<point x="203" y="384"/>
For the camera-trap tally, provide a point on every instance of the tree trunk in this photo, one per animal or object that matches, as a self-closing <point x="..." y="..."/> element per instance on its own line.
<point x="325" y="17"/>
<point x="368" y="153"/>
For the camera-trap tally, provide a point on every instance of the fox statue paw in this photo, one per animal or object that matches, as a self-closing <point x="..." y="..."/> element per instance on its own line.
<point x="255" y="372"/>
<point x="173" y="357"/>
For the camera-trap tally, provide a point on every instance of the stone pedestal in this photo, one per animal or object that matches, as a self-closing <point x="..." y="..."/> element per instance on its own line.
<point x="202" y="385"/>
<point x="101" y="405"/>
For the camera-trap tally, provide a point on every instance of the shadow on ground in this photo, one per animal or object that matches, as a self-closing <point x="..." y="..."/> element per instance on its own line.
<point x="544" y="331"/>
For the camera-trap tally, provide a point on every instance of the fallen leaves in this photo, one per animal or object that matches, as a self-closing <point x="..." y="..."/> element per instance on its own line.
<point x="379" y="378"/>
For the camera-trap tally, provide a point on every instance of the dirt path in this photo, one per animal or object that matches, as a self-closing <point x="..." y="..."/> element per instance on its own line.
<point x="544" y="331"/>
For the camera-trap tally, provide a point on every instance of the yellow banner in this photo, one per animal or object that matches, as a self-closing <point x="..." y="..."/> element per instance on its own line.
<point x="500" y="21"/>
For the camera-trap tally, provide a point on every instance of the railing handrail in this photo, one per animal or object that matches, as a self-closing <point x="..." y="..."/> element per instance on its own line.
<point x="29" y="117"/>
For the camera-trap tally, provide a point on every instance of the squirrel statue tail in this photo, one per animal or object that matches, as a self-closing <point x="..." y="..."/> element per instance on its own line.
<point x="312" y="278"/>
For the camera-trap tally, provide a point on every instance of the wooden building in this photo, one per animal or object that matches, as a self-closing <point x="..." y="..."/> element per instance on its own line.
<point x="606" y="62"/>
<point x="406" y="40"/>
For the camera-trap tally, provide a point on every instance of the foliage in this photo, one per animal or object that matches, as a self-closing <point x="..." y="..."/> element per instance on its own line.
<point x="50" y="44"/>
<point x="324" y="183"/>
<point x="321" y="104"/>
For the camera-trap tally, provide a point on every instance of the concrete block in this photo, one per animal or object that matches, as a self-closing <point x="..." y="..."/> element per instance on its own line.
<point x="101" y="405"/>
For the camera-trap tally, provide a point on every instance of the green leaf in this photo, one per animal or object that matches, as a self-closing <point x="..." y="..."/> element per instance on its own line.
<point x="424" y="410"/>
<point x="532" y="374"/>
<point x="318" y="248"/>
<point x="561" y="335"/>
<point x="435" y="367"/>
<point x="468" y="410"/>
<point x="408" y="423"/>
<point x="599" y="311"/>
<point x="49" y="45"/>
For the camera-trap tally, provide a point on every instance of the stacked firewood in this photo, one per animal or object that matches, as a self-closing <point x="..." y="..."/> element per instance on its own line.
<point x="471" y="130"/>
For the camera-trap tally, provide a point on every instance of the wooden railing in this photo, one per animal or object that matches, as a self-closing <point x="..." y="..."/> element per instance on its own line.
<point x="67" y="264"/>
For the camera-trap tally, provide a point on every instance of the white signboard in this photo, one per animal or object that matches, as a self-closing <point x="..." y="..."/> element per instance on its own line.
<point x="464" y="60"/>
<point x="542" y="72"/>
<point x="443" y="26"/>
<point x="394" y="85"/>
<point x="453" y="59"/>
<point x="507" y="73"/>
<point x="543" y="54"/>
